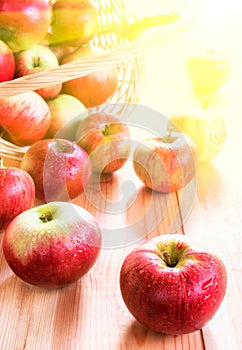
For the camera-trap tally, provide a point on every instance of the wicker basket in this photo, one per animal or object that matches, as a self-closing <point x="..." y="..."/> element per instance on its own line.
<point x="122" y="36"/>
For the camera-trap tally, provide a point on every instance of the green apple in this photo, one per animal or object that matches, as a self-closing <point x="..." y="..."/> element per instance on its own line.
<point x="208" y="71"/>
<point x="38" y="58"/>
<point x="73" y="20"/>
<point x="66" y="113"/>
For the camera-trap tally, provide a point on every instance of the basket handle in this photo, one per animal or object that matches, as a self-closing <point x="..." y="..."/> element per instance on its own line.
<point x="132" y="30"/>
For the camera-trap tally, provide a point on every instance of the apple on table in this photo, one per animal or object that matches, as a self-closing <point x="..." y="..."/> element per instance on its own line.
<point x="24" y="23"/>
<point x="7" y="63"/>
<point x="166" y="164"/>
<point x="52" y="245"/>
<point x="25" y="118"/>
<point x="170" y="287"/>
<point x="61" y="169"/>
<point x="107" y="141"/>
<point x="17" y="193"/>
<point x="38" y="58"/>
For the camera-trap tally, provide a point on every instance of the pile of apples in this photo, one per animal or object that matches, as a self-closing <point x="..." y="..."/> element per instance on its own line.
<point x="39" y="35"/>
<point x="57" y="242"/>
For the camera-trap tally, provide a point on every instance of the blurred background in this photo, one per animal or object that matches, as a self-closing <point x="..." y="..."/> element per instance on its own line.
<point x="217" y="25"/>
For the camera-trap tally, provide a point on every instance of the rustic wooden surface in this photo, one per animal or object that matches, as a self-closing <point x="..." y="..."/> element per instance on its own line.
<point x="90" y="314"/>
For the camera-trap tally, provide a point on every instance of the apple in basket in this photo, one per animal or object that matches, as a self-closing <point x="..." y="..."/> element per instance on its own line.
<point x="24" y="23"/>
<point x="61" y="169"/>
<point x="166" y="164"/>
<point x="52" y="245"/>
<point x="95" y="88"/>
<point x="17" y="194"/>
<point x="75" y="21"/>
<point x="25" y="118"/>
<point x="171" y="287"/>
<point x="7" y="63"/>
<point x="36" y="59"/>
<point x="66" y="113"/>
<point x="107" y="141"/>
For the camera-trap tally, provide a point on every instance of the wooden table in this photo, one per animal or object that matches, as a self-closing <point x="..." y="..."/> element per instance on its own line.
<point x="90" y="314"/>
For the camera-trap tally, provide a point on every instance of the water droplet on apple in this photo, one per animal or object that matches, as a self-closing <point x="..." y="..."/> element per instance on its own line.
<point x="207" y="284"/>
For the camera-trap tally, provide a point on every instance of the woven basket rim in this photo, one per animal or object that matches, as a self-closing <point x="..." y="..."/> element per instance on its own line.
<point x="151" y="38"/>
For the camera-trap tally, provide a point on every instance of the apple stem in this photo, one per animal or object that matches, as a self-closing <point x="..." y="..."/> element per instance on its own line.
<point x="46" y="217"/>
<point x="36" y="62"/>
<point x="105" y="129"/>
<point x="168" y="259"/>
<point x="167" y="138"/>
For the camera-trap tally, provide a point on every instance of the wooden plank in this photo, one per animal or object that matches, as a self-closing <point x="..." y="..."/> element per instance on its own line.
<point x="215" y="225"/>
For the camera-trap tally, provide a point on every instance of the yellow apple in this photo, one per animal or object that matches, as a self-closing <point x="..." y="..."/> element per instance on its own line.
<point x="73" y="20"/>
<point x="208" y="71"/>
<point x="207" y="130"/>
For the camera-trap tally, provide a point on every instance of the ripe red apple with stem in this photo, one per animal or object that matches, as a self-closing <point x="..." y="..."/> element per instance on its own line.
<point x="17" y="193"/>
<point x="61" y="169"/>
<point x="52" y="245"/>
<point x="166" y="164"/>
<point x="25" y="118"/>
<point x="170" y="287"/>
<point x="24" y="23"/>
<point x="38" y="58"/>
<point x="7" y="63"/>
<point x="107" y="141"/>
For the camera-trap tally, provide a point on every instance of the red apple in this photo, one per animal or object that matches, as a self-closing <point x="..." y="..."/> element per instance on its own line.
<point x="7" y="63"/>
<point x="24" y="23"/>
<point x="36" y="59"/>
<point x="74" y="20"/>
<point x="24" y="117"/>
<point x="170" y="287"/>
<point x="66" y="113"/>
<point x="60" y="169"/>
<point x="17" y="194"/>
<point x="95" y="88"/>
<point x="166" y="164"/>
<point x="52" y="245"/>
<point x="107" y="141"/>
